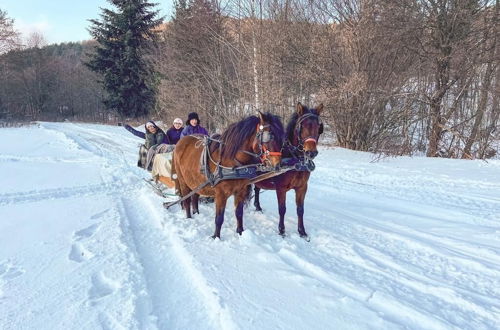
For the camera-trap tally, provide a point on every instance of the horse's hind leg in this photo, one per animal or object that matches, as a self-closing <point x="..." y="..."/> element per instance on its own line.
<point x="186" y="204"/>
<point x="256" y="199"/>
<point x="194" y="203"/>
<point x="300" y="194"/>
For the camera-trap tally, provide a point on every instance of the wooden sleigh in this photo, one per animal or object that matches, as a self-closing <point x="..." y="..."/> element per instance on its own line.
<point x="166" y="181"/>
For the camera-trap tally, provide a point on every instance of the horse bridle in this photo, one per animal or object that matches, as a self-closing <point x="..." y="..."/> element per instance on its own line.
<point x="262" y="138"/>
<point x="298" y="129"/>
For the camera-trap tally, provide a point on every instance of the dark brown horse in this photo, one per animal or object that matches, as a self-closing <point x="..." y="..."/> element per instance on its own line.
<point x="253" y="140"/>
<point x="303" y="131"/>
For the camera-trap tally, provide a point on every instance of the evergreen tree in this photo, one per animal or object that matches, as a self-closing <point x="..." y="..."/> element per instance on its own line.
<point x="8" y="35"/>
<point x="124" y="37"/>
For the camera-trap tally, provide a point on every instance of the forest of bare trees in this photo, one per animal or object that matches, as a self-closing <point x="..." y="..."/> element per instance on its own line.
<point x="400" y="77"/>
<point x="40" y="82"/>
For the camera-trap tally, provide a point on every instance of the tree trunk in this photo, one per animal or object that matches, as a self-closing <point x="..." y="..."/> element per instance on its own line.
<point x="466" y="154"/>
<point x="436" y="128"/>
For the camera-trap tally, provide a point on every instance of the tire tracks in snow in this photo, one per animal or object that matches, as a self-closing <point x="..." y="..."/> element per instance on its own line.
<point x="459" y="276"/>
<point x="416" y="187"/>
<point x="176" y="293"/>
<point x="70" y="192"/>
<point x="101" y="144"/>
<point x="394" y="265"/>
<point x="397" y="294"/>
<point x="41" y="159"/>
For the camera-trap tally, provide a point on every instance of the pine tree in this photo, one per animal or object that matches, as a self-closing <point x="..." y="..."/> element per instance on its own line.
<point x="124" y="37"/>
<point x="8" y="35"/>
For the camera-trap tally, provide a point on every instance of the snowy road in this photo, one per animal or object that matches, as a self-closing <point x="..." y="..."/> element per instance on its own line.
<point x="403" y="243"/>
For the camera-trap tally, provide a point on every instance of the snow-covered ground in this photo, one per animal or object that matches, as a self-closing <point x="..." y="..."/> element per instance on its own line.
<point x="403" y="243"/>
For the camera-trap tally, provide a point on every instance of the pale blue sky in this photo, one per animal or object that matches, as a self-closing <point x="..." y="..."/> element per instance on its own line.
<point x="62" y="20"/>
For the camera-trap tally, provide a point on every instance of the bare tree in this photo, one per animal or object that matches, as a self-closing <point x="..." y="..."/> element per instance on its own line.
<point x="447" y="46"/>
<point x="366" y="66"/>
<point x="490" y="58"/>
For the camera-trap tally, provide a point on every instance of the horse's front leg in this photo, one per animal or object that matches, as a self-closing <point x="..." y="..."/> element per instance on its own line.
<point x="220" y="207"/>
<point x="256" y="199"/>
<point x="239" y="201"/>
<point x="300" y="194"/>
<point x="281" y="194"/>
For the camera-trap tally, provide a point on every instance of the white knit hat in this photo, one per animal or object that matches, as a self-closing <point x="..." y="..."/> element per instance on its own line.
<point x="178" y="121"/>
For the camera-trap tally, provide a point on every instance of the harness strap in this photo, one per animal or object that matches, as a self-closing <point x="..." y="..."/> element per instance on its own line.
<point x="268" y="175"/>
<point x="201" y="186"/>
<point x="253" y="154"/>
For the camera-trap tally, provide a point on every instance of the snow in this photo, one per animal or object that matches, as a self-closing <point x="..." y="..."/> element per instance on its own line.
<point x="402" y="243"/>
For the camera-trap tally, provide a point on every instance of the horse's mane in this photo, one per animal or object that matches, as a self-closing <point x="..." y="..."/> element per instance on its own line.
<point x="290" y="127"/>
<point x="237" y="133"/>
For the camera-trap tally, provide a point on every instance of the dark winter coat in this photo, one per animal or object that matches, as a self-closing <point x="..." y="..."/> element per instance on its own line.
<point x="190" y="130"/>
<point x="151" y="140"/>
<point x="174" y="135"/>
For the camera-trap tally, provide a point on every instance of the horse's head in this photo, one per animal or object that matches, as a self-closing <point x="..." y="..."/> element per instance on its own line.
<point x="268" y="140"/>
<point x="305" y="129"/>
<point x="258" y="136"/>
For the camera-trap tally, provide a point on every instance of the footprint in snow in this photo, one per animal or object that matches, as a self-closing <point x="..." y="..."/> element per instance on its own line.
<point x="102" y="286"/>
<point x="109" y="323"/>
<point x="86" y="232"/>
<point x="78" y="253"/>
<point x="9" y="271"/>
<point x="98" y="215"/>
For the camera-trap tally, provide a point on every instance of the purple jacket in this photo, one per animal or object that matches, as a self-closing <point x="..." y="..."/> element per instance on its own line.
<point x="190" y="130"/>
<point x="173" y="135"/>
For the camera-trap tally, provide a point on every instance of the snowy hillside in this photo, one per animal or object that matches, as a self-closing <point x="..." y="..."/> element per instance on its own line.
<point x="404" y="243"/>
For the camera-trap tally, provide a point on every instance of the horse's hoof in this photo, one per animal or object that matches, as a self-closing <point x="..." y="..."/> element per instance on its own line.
<point x="305" y="237"/>
<point x="196" y="212"/>
<point x="214" y="237"/>
<point x="239" y="231"/>
<point x="258" y="209"/>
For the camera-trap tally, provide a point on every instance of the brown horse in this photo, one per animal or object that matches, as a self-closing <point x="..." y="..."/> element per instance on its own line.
<point x="251" y="141"/>
<point x="303" y="131"/>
